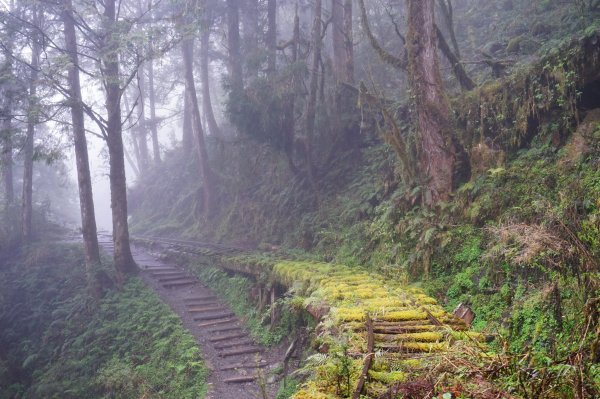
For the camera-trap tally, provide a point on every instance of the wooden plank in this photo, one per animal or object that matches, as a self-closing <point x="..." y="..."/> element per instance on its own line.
<point x="239" y="380"/>
<point x="167" y="273"/>
<point x="213" y="316"/>
<point x="244" y="366"/>
<point x="224" y="329"/>
<point x="234" y="344"/>
<point x="217" y="322"/>
<point x="200" y="298"/>
<point x="178" y="278"/>
<point x="243" y="351"/>
<point x="206" y="309"/>
<point x="368" y="359"/>
<point x="181" y="284"/>
<point x="228" y="337"/>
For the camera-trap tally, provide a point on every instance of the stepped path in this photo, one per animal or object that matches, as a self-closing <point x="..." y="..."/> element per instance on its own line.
<point x="229" y="351"/>
<point x="406" y="329"/>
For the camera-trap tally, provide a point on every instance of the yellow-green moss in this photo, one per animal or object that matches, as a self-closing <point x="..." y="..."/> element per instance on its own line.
<point x="387" y="377"/>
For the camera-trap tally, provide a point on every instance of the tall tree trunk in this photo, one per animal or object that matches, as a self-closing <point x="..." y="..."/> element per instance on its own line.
<point x="233" y="42"/>
<point x="84" y="180"/>
<point x="343" y="51"/>
<point x="205" y="170"/>
<point x="348" y="43"/>
<point x="142" y="125"/>
<point x="187" y="137"/>
<point x="337" y="35"/>
<point x="153" y="121"/>
<point x="213" y="127"/>
<point x="6" y="133"/>
<point x="123" y="259"/>
<point x="32" y="121"/>
<point x="134" y="140"/>
<point x="271" y="39"/>
<point x="250" y="26"/>
<point x="437" y="152"/>
<point x="313" y="87"/>
<point x="290" y="117"/>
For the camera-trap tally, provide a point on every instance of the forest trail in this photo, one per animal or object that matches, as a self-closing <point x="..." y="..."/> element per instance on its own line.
<point x="231" y="354"/>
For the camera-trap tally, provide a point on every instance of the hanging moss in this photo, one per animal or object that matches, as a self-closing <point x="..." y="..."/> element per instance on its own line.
<point x="509" y="112"/>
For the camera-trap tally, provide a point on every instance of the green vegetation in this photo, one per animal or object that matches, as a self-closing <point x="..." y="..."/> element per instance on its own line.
<point x="59" y="343"/>
<point x="235" y="291"/>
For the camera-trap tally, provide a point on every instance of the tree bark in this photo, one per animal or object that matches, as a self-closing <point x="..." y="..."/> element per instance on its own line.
<point x="337" y="35"/>
<point x="213" y="127"/>
<point x="233" y="42"/>
<point x="271" y="39"/>
<point x="142" y="125"/>
<point x="84" y="180"/>
<point x="153" y="121"/>
<point x="313" y="87"/>
<point x="348" y="43"/>
<point x="250" y="30"/>
<point x="32" y="121"/>
<point x="7" y="83"/>
<point x="457" y="67"/>
<point x="205" y="170"/>
<point x="187" y="137"/>
<point x="290" y="116"/>
<point x="437" y="153"/>
<point x="123" y="259"/>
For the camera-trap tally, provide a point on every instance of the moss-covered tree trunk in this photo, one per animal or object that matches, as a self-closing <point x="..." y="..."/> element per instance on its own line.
<point x="436" y="149"/>
<point x="311" y="107"/>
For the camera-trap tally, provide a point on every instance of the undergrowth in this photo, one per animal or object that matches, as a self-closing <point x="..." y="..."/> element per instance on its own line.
<point x="236" y="290"/>
<point x="57" y="342"/>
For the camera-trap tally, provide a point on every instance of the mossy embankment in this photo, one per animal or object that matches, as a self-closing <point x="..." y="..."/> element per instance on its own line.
<point x="56" y="341"/>
<point x="518" y="241"/>
<point x="411" y="332"/>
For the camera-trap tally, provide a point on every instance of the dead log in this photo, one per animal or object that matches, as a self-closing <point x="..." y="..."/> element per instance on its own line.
<point x="368" y="359"/>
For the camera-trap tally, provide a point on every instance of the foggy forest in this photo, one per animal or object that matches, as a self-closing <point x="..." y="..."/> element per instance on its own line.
<point x="300" y="199"/>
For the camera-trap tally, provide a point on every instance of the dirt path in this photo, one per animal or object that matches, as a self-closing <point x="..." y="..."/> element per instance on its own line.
<point x="233" y="356"/>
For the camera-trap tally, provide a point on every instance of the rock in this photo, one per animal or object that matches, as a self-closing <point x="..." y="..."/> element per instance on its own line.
<point x="582" y="140"/>
<point x="485" y="157"/>
<point x="507" y="5"/>
<point x="514" y="45"/>
<point x="271" y="379"/>
<point x="493" y="48"/>
<point x="540" y="28"/>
